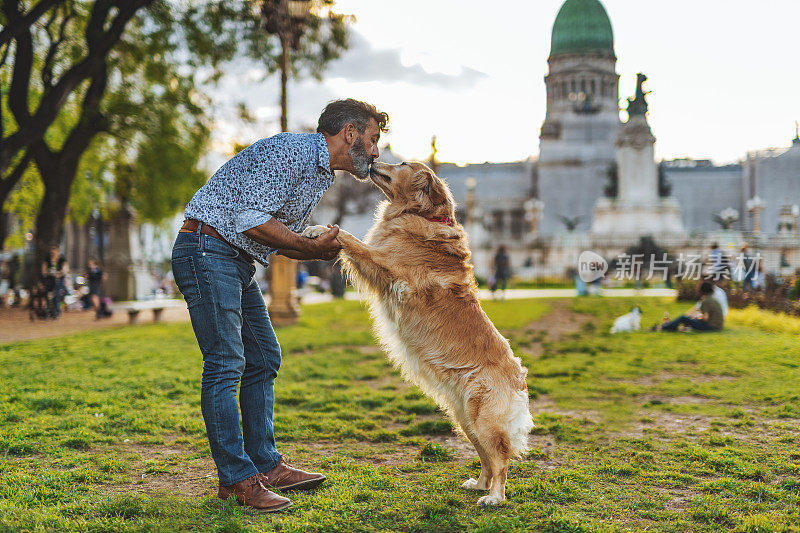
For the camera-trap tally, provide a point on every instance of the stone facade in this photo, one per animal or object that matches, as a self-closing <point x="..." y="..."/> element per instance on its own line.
<point x="774" y="176"/>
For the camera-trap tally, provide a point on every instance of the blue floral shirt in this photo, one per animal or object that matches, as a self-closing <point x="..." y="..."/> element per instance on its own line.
<point x="282" y="177"/>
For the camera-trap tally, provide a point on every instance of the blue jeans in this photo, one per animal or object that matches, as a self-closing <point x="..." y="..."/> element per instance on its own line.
<point x="695" y="324"/>
<point x="239" y="348"/>
<point x="58" y="292"/>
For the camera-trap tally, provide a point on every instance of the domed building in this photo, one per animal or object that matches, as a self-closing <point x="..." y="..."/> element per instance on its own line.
<point x="576" y="150"/>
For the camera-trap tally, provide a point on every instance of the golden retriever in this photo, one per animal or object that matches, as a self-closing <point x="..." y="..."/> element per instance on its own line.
<point x="414" y="268"/>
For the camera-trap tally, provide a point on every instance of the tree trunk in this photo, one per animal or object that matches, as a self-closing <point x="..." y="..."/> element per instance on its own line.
<point x="58" y="169"/>
<point x="4" y="223"/>
<point x="57" y="180"/>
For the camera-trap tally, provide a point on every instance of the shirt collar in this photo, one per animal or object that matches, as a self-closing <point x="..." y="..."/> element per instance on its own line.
<point x="323" y="156"/>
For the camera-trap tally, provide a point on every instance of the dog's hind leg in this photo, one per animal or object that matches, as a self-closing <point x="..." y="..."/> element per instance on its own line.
<point x="481" y="429"/>
<point x="493" y="440"/>
<point x="484" y="481"/>
<point x="497" y="443"/>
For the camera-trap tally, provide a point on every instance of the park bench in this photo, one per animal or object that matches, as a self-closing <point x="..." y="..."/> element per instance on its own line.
<point x="157" y="306"/>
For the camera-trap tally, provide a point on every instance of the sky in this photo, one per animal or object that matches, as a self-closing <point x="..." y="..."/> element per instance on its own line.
<point x="724" y="76"/>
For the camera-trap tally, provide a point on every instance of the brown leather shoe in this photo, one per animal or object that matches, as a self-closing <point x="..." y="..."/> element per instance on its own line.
<point x="286" y="477"/>
<point x="251" y="493"/>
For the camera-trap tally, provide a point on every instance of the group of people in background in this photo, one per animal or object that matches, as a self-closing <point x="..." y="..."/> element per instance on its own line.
<point x="56" y="288"/>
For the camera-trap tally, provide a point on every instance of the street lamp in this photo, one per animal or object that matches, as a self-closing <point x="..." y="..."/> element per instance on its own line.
<point x="755" y="205"/>
<point x="287" y="19"/>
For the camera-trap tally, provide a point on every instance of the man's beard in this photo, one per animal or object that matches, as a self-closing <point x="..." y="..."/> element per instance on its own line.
<point x="360" y="158"/>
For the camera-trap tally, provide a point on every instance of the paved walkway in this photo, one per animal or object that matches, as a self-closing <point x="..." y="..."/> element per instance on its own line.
<point x="513" y="294"/>
<point x="16" y="326"/>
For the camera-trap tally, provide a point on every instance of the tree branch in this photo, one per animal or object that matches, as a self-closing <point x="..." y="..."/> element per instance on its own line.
<point x="21" y="77"/>
<point x="6" y="49"/>
<point x="24" y="22"/>
<point x="91" y="120"/>
<point x="2" y="91"/>
<point x="55" y="42"/>
<point x="53" y="99"/>
<point x="7" y="183"/>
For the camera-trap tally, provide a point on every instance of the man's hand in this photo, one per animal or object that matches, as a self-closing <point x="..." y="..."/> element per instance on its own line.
<point x="328" y="245"/>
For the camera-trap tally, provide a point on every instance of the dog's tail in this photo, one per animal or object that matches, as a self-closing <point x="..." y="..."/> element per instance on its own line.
<point x="520" y="423"/>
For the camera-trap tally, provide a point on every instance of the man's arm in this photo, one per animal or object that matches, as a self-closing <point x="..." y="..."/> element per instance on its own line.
<point x="275" y="234"/>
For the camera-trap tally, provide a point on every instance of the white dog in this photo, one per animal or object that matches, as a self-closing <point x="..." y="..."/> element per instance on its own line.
<point x="629" y="322"/>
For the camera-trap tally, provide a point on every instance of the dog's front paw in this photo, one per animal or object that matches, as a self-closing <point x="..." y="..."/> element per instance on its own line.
<point x="312" y="232"/>
<point x="490" y="500"/>
<point x="473" y="484"/>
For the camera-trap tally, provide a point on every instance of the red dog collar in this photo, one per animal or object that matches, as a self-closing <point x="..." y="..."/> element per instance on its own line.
<point x="443" y="220"/>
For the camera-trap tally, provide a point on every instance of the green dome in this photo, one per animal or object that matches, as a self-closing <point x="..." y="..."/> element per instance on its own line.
<point x="582" y="26"/>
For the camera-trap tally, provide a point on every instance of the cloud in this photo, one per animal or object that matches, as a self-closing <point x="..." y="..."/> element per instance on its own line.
<point x="362" y="63"/>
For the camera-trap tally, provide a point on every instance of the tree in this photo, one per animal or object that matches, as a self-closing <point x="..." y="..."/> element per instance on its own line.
<point x="117" y="82"/>
<point x="56" y="46"/>
<point x="135" y="94"/>
<point x="59" y="53"/>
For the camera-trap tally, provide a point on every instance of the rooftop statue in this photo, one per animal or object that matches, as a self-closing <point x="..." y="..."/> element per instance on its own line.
<point x="638" y="105"/>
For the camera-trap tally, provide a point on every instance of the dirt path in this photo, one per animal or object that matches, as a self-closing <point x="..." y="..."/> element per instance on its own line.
<point x="16" y="326"/>
<point x="555" y="325"/>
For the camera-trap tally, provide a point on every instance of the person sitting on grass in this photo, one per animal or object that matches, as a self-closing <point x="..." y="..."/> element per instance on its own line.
<point x="707" y="318"/>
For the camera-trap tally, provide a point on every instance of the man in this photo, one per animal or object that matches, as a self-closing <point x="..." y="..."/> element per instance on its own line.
<point x="257" y="204"/>
<point x="54" y="269"/>
<point x="721" y="296"/>
<point x="708" y="317"/>
<point x="718" y="267"/>
<point x="502" y="272"/>
<point x="746" y="270"/>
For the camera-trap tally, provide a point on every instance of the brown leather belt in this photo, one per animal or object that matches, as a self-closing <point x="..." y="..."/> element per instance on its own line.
<point x="190" y="225"/>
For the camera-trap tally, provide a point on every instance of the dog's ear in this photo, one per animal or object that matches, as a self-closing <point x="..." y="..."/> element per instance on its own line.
<point x="429" y="190"/>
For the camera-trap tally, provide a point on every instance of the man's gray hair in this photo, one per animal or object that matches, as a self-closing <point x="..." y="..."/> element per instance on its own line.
<point x="340" y="113"/>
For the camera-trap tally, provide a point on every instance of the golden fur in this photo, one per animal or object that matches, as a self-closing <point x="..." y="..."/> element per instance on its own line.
<point x="424" y="300"/>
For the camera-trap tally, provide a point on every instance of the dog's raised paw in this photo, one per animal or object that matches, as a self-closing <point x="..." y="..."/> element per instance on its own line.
<point x="490" y="500"/>
<point x="472" y="484"/>
<point x="312" y="232"/>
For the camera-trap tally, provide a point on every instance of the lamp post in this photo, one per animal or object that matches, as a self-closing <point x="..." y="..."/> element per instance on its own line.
<point x="755" y="205"/>
<point x="287" y="20"/>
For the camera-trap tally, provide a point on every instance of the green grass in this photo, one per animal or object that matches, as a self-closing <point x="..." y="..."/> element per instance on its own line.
<point x="639" y="431"/>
